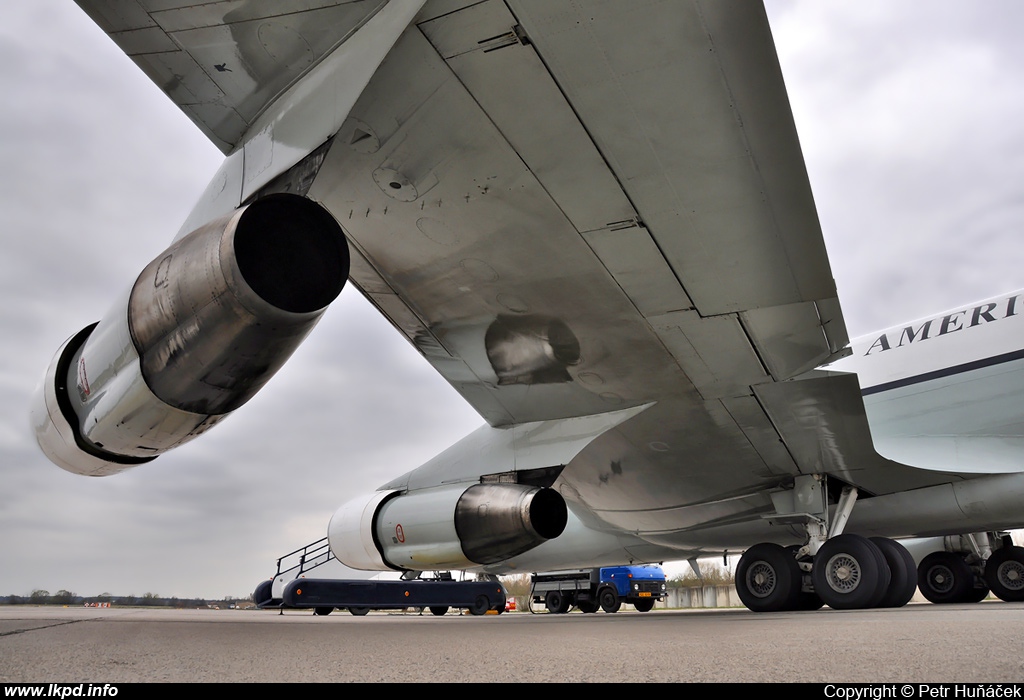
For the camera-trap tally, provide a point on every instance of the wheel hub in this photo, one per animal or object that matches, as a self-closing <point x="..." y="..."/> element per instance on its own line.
<point x="761" y="579"/>
<point x="843" y="573"/>
<point x="1011" y="575"/>
<point x="941" y="579"/>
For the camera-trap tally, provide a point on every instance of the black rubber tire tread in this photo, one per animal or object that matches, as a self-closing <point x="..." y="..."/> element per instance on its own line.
<point x="609" y="600"/>
<point x="480" y="606"/>
<point x="768" y="578"/>
<point x="903" y="572"/>
<point x="871" y="572"/>
<point x="323" y="611"/>
<point x="956" y="590"/>
<point x="439" y="610"/>
<point x="977" y="594"/>
<point x="557" y="602"/>
<point x="1013" y="556"/>
<point x="809" y="600"/>
<point x="645" y="605"/>
<point x="359" y="611"/>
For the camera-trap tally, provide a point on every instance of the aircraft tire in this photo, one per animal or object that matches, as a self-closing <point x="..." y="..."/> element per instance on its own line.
<point x="1004" y="573"/>
<point x="768" y="579"/>
<point x="480" y="606"/>
<point x="903" y="572"/>
<point x="977" y="594"/>
<point x="808" y="600"/>
<point x="609" y="600"/>
<point x="439" y="610"/>
<point x="944" y="577"/>
<point x="850" y="573"/>
<point x="644" y="605"/>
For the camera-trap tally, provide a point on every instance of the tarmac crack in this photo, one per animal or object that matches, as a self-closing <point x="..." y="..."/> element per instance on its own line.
<point x="42" y="627"/>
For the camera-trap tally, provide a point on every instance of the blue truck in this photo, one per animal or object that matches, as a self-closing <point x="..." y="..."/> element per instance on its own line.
<point x="606" y="588"/>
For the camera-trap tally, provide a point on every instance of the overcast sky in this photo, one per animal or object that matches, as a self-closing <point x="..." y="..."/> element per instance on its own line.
<point x="912" y="123"/>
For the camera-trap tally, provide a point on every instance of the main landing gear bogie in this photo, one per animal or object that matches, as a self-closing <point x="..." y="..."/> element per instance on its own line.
<point x="847" y="572"/>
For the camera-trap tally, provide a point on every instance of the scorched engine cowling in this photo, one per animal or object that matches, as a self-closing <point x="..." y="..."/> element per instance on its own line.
<point x="203" y="328"/>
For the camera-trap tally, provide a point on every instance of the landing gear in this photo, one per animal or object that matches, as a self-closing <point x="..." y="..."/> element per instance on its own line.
<point x="847" y="571"/>
<point x="944" y="577"/>
<point x="768" y="579"/>
<point x="1004" y="573"/>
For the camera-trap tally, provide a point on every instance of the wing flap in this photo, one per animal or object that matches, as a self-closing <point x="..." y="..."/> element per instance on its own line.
<point x="514" y="88"/>
<point x="686" y="102"/>
<point x="632" y="257"/>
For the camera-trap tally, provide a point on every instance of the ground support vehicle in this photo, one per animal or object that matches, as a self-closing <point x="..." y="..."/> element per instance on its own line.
<point x="606" y="588"/>
<point x="323" y="596"/>
<point x="438" y="593"/>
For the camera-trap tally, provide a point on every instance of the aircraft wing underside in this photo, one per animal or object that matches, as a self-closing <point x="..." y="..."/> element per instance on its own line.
<point x="573" y="208"/>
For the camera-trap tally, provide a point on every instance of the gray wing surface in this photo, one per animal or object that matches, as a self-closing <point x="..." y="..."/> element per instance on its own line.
<point x="222" y="61"/>
<point x="571" y="208"/>
<point x="581" y="208"/>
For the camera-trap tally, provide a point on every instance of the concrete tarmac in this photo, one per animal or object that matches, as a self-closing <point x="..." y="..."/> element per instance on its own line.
<point x="925" y="643"/>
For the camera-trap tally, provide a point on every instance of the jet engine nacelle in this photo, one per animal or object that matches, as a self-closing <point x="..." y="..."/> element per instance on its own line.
<point x="203" y="328"/>
<point x="445" y="527"/>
